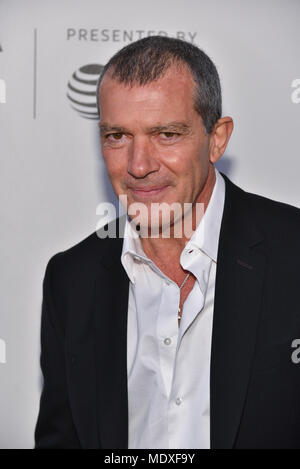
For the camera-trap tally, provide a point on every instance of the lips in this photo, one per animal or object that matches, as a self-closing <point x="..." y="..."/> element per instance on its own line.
<point x="147" y="192"/>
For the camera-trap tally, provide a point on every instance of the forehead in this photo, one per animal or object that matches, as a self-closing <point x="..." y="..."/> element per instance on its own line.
<point x="170" y="95"/>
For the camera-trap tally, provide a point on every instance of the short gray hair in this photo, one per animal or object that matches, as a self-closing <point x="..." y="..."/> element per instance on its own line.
<point x="147" y="59"/>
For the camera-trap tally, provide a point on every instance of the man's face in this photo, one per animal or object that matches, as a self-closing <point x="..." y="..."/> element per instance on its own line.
<point x="153" y="141"/>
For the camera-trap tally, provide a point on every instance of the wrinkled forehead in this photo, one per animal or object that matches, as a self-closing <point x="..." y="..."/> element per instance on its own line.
<point x="175" y="85"/>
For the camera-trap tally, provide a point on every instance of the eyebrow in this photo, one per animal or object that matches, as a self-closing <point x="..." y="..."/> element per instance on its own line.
<point x="104" y="128"/>
<point x="171" y="127"/>
<point x="167" y="127"/>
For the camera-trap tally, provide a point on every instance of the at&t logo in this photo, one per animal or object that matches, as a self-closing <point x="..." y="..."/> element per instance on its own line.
<point x="82" y="90"/>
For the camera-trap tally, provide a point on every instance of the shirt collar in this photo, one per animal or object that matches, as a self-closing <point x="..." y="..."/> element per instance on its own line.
<point x="205" y="237"/>
<point x="132" y="250"/>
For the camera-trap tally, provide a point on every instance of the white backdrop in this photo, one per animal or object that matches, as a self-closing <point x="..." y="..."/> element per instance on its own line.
<point x="52" y="174"/>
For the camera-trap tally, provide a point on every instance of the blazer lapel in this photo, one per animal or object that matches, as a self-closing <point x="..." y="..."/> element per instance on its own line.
<point x="238" y="291"/>
<point x="110" y="319"/>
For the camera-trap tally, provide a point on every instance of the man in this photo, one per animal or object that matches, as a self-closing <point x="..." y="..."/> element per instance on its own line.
<point x="166" y="341"/>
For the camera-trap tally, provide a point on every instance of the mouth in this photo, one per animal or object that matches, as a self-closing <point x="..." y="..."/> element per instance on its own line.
<point x="147" y="192"/>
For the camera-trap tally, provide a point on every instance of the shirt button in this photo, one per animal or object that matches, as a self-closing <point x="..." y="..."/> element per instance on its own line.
<point x="178" y="401"/>
<point x="167" y="341"/>
<point x="190" y="251"/>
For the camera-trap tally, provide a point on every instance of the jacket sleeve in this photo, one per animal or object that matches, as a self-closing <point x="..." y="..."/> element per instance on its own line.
<point x="55" y="428"/>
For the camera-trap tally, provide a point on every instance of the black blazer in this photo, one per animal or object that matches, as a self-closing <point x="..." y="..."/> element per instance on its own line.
<point x="255" y="385"/>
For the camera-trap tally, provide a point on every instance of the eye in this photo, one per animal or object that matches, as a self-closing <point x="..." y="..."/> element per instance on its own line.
<point x="115" y="136"/>
<point x="169" y="134"/>
<point x="169" y="137"/>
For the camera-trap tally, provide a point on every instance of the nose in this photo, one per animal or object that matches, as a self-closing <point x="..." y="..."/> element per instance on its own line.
<point x="142" y="158"/>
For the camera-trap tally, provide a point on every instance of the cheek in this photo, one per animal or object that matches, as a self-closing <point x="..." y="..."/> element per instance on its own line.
<point x="190" y="169"/>
<point x="182" y="162"/>
<point x="115" y="163"/>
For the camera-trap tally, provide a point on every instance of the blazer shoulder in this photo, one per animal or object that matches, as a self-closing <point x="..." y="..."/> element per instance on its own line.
<point x="279" y="222"/>
<point x="83" y="258"/>
<point x="264" y="207"/>
<point x="279" y="215"/>
<point x="82" y="253"/>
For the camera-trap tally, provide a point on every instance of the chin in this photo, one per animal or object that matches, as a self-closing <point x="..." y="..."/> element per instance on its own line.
<point x="154" y="227"/>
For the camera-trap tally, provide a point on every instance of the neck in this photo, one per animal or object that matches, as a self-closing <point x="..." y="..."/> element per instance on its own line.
<point x="171" y="247"/>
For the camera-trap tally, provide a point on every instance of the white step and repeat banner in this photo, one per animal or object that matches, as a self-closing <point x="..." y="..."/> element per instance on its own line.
<point x="52" y="174"/>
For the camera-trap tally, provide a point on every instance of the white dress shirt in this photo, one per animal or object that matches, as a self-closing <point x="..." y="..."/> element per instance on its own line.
<point x="169" y="366"/>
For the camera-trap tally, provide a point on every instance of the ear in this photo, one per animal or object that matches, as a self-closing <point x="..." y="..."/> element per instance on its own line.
<point x="219" y="138"/>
